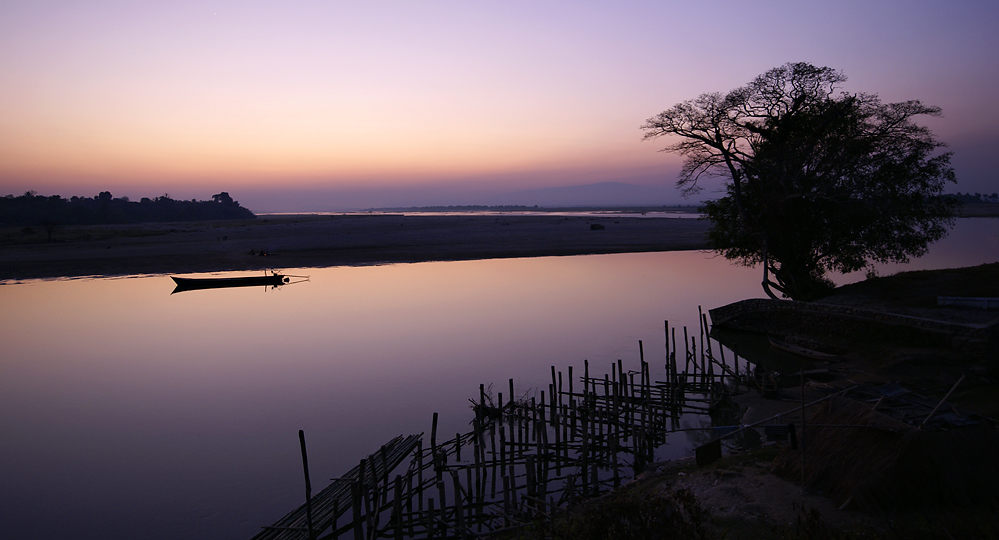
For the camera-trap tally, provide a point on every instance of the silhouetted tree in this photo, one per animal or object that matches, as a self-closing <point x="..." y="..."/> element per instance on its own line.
<point x="223" y="198"/>
<point x="815" y="179"/>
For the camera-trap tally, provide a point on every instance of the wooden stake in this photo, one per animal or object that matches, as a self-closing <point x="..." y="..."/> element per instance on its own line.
<point x="431" y="518"/>
<point x="308" y="485"/>
<point x="459" y="508"/>
<point x="397" y="509"/>
<point x="433" y="442"/>
<point x="802" y="374"/>
<point x="686" y="352"/>
<point x="355" y="497"/>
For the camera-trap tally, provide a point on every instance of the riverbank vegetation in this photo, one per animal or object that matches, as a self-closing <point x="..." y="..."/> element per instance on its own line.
<point x="48" y="212"/>
<point x="976" y="204"/>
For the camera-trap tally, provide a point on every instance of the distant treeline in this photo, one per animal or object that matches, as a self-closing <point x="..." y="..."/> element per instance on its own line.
<point x="975" y="198"/>
<point x="39" y="210"/>
<point x="535" y="208"/>
<point x="459" y="208"/>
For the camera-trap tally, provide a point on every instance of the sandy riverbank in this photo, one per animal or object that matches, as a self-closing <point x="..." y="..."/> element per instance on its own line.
<point x="319" y="241"/>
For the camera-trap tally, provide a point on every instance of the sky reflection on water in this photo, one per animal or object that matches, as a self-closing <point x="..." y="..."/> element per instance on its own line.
<point x="137" y="413"/>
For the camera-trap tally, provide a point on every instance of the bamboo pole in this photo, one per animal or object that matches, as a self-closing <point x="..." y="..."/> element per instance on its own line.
<point x="385" y="474"/>
<point x="502" y="464"/>
<point x="433" y="445"/>
<point x="308" y="485"/>
<point x="584" y="448"/>
<point x="511" y="416"/>
<point x="531" y="480"/>
<point x="666" y="335"/>
<point x="554" y="395"/>
<point x="724" y="363"/>
<point x="459" y="507"/>
<point x="935" y="409"/>
<point x="572" y="408"/>
<point x="397" y="509"/>
<point x="802" y="374"/>
<point x="371" y="499"/>
<point x="476" y="458"/>
<point x="492" y="441"/>
<point x="558" y="434"/>
<point x="409" y="497"/>
<point x="441" y="492"/>
<point x="355" y="495"/>
<point x="686" y="352"/>
<point x="711" y="370"/>
<point x="673" y="355"/>
<point x="431" y="525"/>
<point x="419" y="457"/>
<point x="674" y="381"/>
<point x="700" y="324"/>
<point x="693" y="346"/>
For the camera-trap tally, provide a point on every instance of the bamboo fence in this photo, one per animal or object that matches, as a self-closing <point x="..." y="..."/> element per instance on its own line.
<point x="525" y="459"/>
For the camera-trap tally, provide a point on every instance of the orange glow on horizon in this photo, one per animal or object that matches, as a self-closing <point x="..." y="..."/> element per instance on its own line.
<point x="339" y="95"/>
<point x="258" y="151"/>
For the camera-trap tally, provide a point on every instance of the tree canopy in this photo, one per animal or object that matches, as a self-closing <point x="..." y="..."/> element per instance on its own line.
<point x="815" y="179"/>
<point x="34" y="209"/>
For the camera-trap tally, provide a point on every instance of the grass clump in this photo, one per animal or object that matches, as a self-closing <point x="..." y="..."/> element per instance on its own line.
<point x="630" y="515"/>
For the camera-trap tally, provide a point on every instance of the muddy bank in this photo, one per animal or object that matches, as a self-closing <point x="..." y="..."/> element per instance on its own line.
<point x="318" y="241"/>
<point x="888" y="329"/>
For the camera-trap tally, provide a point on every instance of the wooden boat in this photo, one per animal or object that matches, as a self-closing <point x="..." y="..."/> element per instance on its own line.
<point x="802" y="351"/>
<point x="194" y="284"/>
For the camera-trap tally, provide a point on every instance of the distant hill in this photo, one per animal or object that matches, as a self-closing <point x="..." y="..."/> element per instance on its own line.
<point x="600" y="194"/>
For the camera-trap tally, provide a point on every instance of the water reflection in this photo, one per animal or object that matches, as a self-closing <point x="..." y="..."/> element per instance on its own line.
<point x="137" y="414"/>
<point x="971" y="242"/>
<point x="157" y="415"/>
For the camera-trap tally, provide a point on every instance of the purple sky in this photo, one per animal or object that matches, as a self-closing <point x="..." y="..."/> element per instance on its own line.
<point x="285" y="104"/>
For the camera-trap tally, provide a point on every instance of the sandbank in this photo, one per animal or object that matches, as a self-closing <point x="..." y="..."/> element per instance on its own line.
<point x="303" y="241"/>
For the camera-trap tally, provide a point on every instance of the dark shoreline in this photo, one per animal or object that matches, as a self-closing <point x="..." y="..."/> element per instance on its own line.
<point x="303" y="241"/>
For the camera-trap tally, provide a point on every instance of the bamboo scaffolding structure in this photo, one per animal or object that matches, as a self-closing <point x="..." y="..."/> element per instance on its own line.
<point x="525" y="457"/>
<point x="335" y="499"/>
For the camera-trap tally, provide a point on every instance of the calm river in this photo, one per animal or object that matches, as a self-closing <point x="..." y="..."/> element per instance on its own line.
<point x="128" y="412"/>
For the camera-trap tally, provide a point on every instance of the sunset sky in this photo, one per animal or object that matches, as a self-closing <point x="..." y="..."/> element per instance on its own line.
<point x="351" y="104"/>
